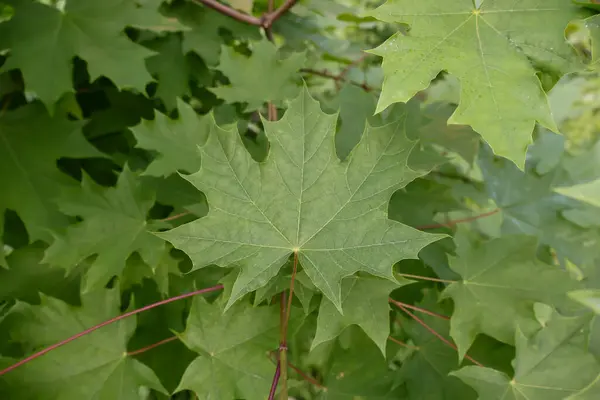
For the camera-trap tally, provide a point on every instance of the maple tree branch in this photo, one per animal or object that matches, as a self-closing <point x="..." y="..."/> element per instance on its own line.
<point x="306" y="377"/>
<point x="103" y="324"/>
<point x="401" y="343"/>
<point x="270" y="18"/>
<point x="153" y="345"/>
<point x="424" y="311"/>
<point x="342" y="75"/>
<point x="424" y="278"/>
<point x="436" y="334"/>
<point x="452" y="223"/>
<point x="231" y="12"/>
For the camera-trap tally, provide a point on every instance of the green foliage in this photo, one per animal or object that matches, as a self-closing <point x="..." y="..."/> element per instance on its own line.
<point x="389" y="200"/>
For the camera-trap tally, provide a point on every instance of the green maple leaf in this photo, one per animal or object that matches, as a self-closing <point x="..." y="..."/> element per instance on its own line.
<point x="501" y="281"/>
<point x="588" y="297"/>
<point x="171" y="69"/>
<point x="493" y="47"/>
<point x="176" y="141"/>
<point x="43" y="38"/>
<point x="233" y="349"/>
<point x="302" y="199"/>
<point x="114" y="226"/>
<point x="586" y="192"/>
<point x="365" y="303"/>
<point x="93" y="366"/>
<point x="551" y="365"/>
<point x="31" y="142"/>
<point x="259" y="78"/>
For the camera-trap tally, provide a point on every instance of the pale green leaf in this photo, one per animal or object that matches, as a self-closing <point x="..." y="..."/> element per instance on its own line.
<point x="494" y="48"/>
<point x="586" y="192"/>
<point x="93" y="366"/>
<point x="302" y="199"/>
<point x="589" y="298"/>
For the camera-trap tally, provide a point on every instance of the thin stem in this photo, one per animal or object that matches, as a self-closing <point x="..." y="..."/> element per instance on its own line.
<point x="283" y="339"/>
<point x="401" y="343"/>
<point x="176" y="216"/>
<point x="275" y="382"/>
<point x="231" y="12"/>
<point x="272" y="112"/>
<point x="150" y="347"/>
<point x="103" y="324"/>
<point x="458" y="221"/>
<point x="424" y="278"/>
<point x="342" y="75"/>
<point x="306" y="377"/>
<point x="337" y="78"/>
<point x="433" y="331"/>
<point x="424" y="311"/>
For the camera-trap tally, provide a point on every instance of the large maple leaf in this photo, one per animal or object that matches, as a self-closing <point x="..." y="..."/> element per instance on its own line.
<point x="44" y="40"/>
<point x="493" y="47"/>
<point x="95" y="366"/>
<point x="302" y="199"/>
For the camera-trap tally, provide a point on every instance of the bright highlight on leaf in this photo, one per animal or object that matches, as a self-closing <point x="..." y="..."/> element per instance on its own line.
<point x="586" y="192"/>
<point x="304" y="199"/>
<point x="493" y="49"/>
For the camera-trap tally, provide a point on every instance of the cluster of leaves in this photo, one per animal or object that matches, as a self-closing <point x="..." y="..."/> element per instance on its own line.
<point x="378" y="198"/>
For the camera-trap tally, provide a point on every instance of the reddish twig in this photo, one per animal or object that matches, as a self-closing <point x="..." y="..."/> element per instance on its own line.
<point x="443" y="339"/>
<point x="103" y="324"/>
<point x="269" y="19"/>
<point x="150" y="347"/>
<point x="401" y="343"/>
<point x="232" y="12"/>
<point x="424" y="311"/>
<point x="275" y="381"/>
<point x="424" y="278"/>
<point x="450" y="224"/>
<point x="303" y="374"/>
<point x="306" y="377"/>
<point x="329" y="75"/>
<point x="284" y="329"/>
<point x="342" y="75"/>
